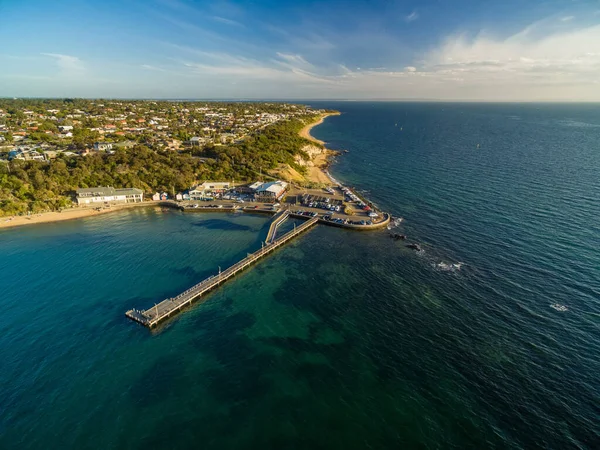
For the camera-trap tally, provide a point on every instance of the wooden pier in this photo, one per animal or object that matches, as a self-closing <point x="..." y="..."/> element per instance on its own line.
<point x="167" y="308"/>
<point x="277" y="220"/>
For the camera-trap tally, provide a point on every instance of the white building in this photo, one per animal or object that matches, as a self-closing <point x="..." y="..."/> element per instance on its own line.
<point x="89" y="196"/>
<point x="25" y="154"/>
<point x="209" y="189"/>
<point x="269" y="192"/>
<point x="102" y="146"/>
<point x="196" y="141"/>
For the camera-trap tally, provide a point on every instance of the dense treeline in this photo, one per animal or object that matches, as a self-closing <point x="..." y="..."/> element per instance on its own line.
<point x="39" y="186"/>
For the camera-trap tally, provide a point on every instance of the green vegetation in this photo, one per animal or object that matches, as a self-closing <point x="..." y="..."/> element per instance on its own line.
<point x="38" y="186"/>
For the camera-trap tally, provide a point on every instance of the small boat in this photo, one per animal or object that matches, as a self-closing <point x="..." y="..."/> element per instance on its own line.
<point x="416" y="247"/>
<point x="559" y="307"/>
<point x="346" y="151"/>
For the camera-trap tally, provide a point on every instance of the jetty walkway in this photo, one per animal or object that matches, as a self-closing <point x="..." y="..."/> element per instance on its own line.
<point x="278" y="219"/>
<point x="171" y="306"/>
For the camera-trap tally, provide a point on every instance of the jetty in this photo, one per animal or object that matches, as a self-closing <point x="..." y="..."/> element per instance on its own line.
<point x="278" y="219"/>
<point x="167" y="308"/>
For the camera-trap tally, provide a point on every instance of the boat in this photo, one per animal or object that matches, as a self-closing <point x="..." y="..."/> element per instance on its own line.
<point x="559" y="307"/>
<point x="346" y="151"/>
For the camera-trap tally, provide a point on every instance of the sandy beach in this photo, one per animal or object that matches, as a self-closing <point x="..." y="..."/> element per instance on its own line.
<point x="66" y="214"/>
<point x="316" y="174"/>
<point x="305" y="132"/>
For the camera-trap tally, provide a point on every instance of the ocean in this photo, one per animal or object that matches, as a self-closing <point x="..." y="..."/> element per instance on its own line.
<point x="341" y="339"/>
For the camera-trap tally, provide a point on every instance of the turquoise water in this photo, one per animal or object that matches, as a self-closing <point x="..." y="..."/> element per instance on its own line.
<point x="341" y="339"/>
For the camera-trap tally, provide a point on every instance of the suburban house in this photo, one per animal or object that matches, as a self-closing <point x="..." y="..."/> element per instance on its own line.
<point x="196" y="141"/>
<point x="209" y="189"/>
<point x="25" y="154"/>
<point x="269" y="192"/>
<point x="109" y="194"/>
<point x="102" y="146"/>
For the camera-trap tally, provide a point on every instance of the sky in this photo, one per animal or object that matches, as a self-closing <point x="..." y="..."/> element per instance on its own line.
<point x="468" y="50"/>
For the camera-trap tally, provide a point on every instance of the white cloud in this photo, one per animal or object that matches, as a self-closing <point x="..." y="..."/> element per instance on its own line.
<point x="154" y="68"/>
<point x="226" y="21"/>
<point x="567" y="18"/>
<point x="529" y="65"/>
<point x="412" y="16"/>
<point x="69" y="65"/>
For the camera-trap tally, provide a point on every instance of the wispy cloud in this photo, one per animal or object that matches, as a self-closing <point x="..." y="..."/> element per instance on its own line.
<point x="412" y="16"/>
<point x="69" y="65"/>
<point x="567" y="18"/>
<point x="154" y="68"/>
<point x="226" y="21"/>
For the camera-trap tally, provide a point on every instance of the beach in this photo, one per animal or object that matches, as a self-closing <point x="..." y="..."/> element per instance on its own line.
<point x="66" y="214"/>
<point x="316" y="173"/>
<point x="305" y="132"/>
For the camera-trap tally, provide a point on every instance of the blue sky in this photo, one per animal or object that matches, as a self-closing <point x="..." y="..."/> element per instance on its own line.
<point x="533" y="50"/>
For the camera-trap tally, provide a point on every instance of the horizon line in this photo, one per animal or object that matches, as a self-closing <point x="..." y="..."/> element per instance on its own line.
<point x="297" y="100"/>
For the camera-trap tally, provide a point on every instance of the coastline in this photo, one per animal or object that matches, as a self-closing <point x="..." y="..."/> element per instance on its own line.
<point x="66" y="214"/>
<point x="318" y="172"/>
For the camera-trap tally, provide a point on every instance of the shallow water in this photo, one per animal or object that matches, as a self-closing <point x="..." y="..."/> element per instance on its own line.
<point x="340" y="339"/>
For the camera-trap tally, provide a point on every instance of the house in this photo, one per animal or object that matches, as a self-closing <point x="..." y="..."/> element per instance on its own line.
<point x="25" y="154"/>
<point x="196" y="141"/>
<point x="50" y="154"/>
<point x="269" y="192"/>
<point x="65" y="128"/>
<point x="179" y="197"/>
<point x="109" y="194"/>
<point x="102" y="146"/>
<point x="209" y="189"/>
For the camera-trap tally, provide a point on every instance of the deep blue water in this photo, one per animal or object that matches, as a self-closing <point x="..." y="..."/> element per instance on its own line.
<point x="341" y="339"/>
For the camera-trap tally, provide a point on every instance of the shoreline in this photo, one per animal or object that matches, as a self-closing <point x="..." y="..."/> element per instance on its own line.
<point x="66" y="214"/>
<point x="318" y="173"/>
<point x="305" y="132"/>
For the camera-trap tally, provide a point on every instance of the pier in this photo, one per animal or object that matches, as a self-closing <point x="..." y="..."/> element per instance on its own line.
<point x="278" y="219"/>
<point x="167" y="308"/>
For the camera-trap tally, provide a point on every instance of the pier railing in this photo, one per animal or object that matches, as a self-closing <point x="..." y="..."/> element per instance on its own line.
<point x="171" y="306"/>
<point x="277" y="220"/>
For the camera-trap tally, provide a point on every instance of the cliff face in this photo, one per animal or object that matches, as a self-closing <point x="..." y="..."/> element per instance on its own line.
<point x="313" y="152"/>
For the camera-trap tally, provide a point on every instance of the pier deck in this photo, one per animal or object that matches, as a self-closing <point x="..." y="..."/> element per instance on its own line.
<point x="171" y="306"/>
<point x="277" y="220"/>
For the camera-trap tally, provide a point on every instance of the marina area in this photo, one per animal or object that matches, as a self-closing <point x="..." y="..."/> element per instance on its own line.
<point x="336" y="206"/>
